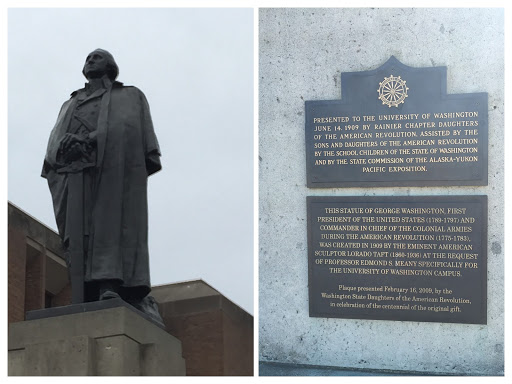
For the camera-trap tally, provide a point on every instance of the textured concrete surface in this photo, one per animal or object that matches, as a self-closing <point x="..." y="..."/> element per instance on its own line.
<point x="113" y="341"/>
<point x="278" y="369"/>
<point x="302" y="53"/>
<point x="46" y="359"/>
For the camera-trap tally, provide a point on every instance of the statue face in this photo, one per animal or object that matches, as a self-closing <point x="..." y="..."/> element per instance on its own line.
<point x="95" y="65"/>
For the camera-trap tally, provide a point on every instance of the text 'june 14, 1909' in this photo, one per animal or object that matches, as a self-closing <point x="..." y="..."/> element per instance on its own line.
<point x="396" y="125"/>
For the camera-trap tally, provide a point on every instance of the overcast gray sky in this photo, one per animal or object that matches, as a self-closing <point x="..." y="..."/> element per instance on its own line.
<point x="195" y="67"/>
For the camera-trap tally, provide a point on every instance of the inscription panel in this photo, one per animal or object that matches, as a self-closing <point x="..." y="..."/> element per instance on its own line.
<point x="412" y="258"/>
<point x="397" y="126"/>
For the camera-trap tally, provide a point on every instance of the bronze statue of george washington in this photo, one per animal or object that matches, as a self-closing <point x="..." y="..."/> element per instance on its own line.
<point x="99" y="156"/>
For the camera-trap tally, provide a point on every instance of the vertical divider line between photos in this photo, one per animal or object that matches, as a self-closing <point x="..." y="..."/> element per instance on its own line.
<point x="256" y="187"/>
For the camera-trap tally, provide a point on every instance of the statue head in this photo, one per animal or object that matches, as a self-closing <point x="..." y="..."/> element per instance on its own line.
<point x="98" y="63"/>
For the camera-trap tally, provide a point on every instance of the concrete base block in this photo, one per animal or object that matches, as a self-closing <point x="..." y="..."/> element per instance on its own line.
<point x="115" y="341"/>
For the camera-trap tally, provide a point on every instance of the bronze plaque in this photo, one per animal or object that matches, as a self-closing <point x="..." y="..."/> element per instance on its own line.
<point x="396" y="126"/>
<point x="410" y="258"/>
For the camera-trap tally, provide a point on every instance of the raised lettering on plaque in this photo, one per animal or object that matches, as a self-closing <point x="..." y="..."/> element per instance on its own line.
<point x="396" y="126"/>
<point x="398" y="258"/>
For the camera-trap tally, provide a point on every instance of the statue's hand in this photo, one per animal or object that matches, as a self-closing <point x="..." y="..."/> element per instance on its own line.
<point x="73" y="147"/>
<point x="69" y="140"/>
<point x="73" y="152"/>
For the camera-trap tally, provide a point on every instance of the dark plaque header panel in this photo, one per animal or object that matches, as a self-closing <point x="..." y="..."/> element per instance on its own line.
<point x="398" y="258"/>
<point x="396" y="126"/>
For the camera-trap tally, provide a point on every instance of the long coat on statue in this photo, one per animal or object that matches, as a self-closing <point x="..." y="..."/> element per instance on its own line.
<point x="127" y="153"/>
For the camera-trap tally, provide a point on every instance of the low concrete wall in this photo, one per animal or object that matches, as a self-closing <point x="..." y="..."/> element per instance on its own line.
<point x="302" y="53"/>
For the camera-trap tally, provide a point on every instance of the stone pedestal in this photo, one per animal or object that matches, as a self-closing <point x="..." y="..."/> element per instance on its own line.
<point x="114" y="341"/>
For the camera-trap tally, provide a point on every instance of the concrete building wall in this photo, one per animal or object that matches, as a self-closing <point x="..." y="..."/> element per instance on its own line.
<point x="302" y="53"/>
<point x="63" y="297"/>
<point x="16" y="271"/>
<point x="36" y="269"/>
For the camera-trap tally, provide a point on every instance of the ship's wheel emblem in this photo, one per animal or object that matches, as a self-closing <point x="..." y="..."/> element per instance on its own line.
<point x="392" y="91"/>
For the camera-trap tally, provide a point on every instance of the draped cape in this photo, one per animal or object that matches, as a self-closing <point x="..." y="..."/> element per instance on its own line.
<point x="127" y="153"/>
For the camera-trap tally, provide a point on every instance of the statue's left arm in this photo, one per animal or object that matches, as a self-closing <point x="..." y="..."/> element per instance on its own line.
<point x="151" y="147"/>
